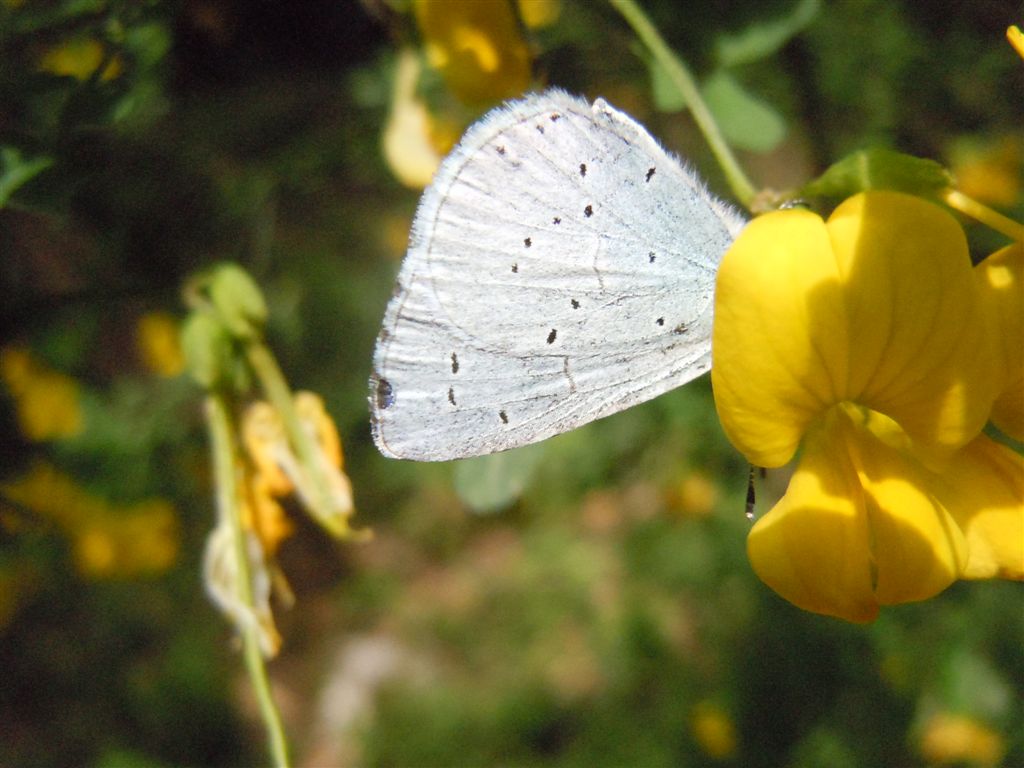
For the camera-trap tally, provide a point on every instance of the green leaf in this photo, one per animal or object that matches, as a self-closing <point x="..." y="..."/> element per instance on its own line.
<point x="16" y="171"/>
<point x="746" y="121"/>
<point x="491" y="483"/>
<point x="880" y="169"/>
<point x="761" y="39"/>
<point x="664" y="93"/>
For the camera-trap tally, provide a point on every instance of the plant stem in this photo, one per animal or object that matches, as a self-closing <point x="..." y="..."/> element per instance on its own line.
<point x="971" y="207"/>
<point x="680" y="75"/>
<point x="229" y="511"/>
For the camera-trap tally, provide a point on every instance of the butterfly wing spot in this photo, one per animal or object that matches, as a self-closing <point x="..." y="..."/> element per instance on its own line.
<point x="588" y="211"/>
<point x="540" y="128"/>
<point x="583" y="169"/>
<point x="650" y="172"/>
<point x="385" y="394"/>
<point x="555" y="117"/>
<point x="556" y="220"/>
<point x="451" y="395"/>
<point x="552" y="336"/>
<point x="500" y="149"/>
<point x="455" y="363"/>
<point x="527" y="242"/>
<point x="503" y="416"/>
<point x="660" y="321"/>
<point x="651" y="257"/>
<point x="515" y="267"/>
<point x="575" y="304"/>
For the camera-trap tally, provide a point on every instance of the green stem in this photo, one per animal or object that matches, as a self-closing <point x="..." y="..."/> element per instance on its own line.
<point x="680" y="75"/>
<point x="229" y="511"/>
<point x="276" y="389"/>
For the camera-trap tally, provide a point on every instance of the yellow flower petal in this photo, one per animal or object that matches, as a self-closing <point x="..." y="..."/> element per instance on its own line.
<point x="920" y="347"/>
<point x="779" y="338"/>
<point x="1001" y="280"/>
<point x="814" y="546"/>
<point x="876" y="307"/>
<point x="983" y="489"/>
<point x="476" y="46"/>
<point x="917" y="548"/>
<point x="406" y="143"/>
<point x="857" y="527"/>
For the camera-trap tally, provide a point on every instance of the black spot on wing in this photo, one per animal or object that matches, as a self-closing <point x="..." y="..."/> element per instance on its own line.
<point x="552" y="336"/>
<point x="556" y="220"/>
<point x="515" y="267"/>
<point x="583" y="169"/>
<point x="588" y="211"/>
<point x="651" y="257"/>
<point x="503" y="416"/>
<point x="501" y="149"/>
<point x="455" y="363"/>
<point x="660" y="321"/>
<point x="575" y="304"/>
<point x="451" y="395"/>
<point x="650" y="172"/>
<point x="385" y="394"/>
<point x="527" y="242"/>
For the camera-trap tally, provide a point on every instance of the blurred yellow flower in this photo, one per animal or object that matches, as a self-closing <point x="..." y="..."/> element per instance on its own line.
<point x="80" y="58"/>
<point x="714" y="730"/>
<point x="476" y="46"/>
<point x="109" y="541"/>
<point x="412" y="143"/>
<point x="46" y="401"/>
<point x="695" y="495"/>
<point x="988" y="170"/>
<point x="157" y="339"/>
<point x="866" y="341"/>
<point x="537" y="14"/>
<point x="957" y="739"/>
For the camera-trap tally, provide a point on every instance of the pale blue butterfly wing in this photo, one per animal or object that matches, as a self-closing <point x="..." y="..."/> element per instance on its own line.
<point x="561" y="268"/>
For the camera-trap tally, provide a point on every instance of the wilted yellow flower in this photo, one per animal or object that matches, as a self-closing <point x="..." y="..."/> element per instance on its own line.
<point x="157" y="338"/>
<point x="79" y="58"/>
<point x="46" y="401"/>
<point x="477" y="47"/>
<point x="714" y="730"/>
<point x="866" y="341"/>
<point x="957" y="739"/>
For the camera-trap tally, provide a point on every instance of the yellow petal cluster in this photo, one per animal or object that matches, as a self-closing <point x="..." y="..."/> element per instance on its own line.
<point x="867" y="343"/>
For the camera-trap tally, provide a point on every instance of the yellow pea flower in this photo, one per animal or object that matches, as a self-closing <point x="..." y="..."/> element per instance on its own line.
<point x="477" y="47"/>
<point x="865" y="341"/>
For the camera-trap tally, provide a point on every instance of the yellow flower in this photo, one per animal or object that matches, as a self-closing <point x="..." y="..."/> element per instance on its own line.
<point x="47" y="402"/>
<point x="949" y="739"/>
<point x="865" y="341"/>
<point x="413" y="141"/>
<point x="109" y="541"/>
<point x="1001" y="279"/>
<point x="713" y="730"/>
<point x="539" y="13"/>
<point x="80" y="58"/>
<point x="477" y="47"/>
<point x="158" y="343"/>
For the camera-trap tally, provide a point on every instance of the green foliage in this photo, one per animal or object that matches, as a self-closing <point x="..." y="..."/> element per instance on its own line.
<point x="600" y="600"/>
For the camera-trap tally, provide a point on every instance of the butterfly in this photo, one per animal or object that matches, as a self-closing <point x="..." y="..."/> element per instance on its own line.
<point x="561" y="268"/>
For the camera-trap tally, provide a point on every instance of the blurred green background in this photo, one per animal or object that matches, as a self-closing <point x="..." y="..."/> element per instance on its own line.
<point x="605" y="616"/>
